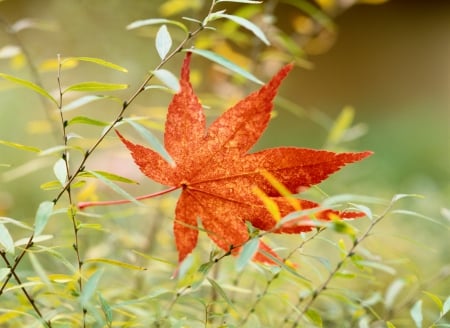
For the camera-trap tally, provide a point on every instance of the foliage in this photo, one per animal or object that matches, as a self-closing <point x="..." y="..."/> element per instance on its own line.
<point x="111" y="267"/>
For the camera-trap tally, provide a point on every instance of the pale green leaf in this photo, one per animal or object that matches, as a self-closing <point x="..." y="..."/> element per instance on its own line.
<point x="29" y="85"/>
<point x="416" y="313"/>
<point x="446" y="307"/>
<point x="42" y="215"/>
<point x="390" y="324"/>
<point x="392" y="292"/>
<point x="60" y="171"/>
<point x="314" y="317"/>
<point x="248" y="251"/>
<point x="221" y="292"/>
<point x="168" y="78"/>
<point x="435" y="299"/>
<point x="252" y="2"/>
<point x="107" y="310"/>
<point x="36" y="239"/>
<point x="109" y="176"/>
<point x="225" y="63"/>
<point x="163" y="42"/>
<point x="86" y="120"/>
<point x="248" y="25"/>
<point x="116" y="263"/>
<point x="156" y="21"/>
<point x="4" y="272"/>
<point x="90" y="287"/>
<point x="14" y="222"/>
<point x="378" y="266"/>
<point x="6" y="240"/>
<point x="19" y="146"/>
<point x="87" y="100"/>
<point x="340" y="126"/>
<point x="97" y="61"/>
<point x="94" y="86"/>
<point x="152" y="140"/>
<point x="114" y="187"/>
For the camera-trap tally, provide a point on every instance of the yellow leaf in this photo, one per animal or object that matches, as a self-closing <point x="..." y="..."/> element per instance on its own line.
<point x="269" y="203"/>
<point x="173" y="7"/>
<point x="117" y="263"/>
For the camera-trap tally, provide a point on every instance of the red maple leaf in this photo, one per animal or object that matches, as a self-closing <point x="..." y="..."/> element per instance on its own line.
<point x="218" y="176"/>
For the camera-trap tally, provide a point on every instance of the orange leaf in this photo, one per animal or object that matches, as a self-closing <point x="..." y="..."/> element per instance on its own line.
<point x="217" y="175"/>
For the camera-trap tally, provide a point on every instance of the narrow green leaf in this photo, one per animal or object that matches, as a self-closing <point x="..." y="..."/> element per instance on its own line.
<point x="313" y="11"/>
<point x="60" y="171"/>
<point x="152" y="140"/>
<point x="156" y="21"/>
<point x="421" y="216"/>
<point x="378" y="265"/>
<point x="29" y="85"/>
<point x="87" y="100"/>
<point x="314" y="317"/>
<point x="17" y="223"/>
<point x="97" y="61"/>
<point x="42" y="215"/>
<point x="168" y="78"/>
<point x="19" y="146"/>
<point x="93" y="86"/>
<point x="86" y="120"/>
<point x="163" y="41"/>
<point x="446" y="307"/>
<point x="416" y="313"/>
<point x="435" y="299"/>
<point x="89" y="288"/>
<point x="116" y="263"/>
<point x="6" y="239"/>
<point x="106" y="308"/>
<point x="4" y="272"/>
<point x="248" y="251"/>
<point x="248" y="25"/>
<point x="241" y="1"/>
<point x="340" y="126"/>
<point x="390" y="324"/>
<point x="221" y="292"/>
<point x="225" y="63"/>
<point x="392" y="292"/>
<point x="109" y="176"/>
<point x="114" y="187"/>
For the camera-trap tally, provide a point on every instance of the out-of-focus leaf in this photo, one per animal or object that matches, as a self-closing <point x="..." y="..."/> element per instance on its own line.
<point x="97" y="61"/>
<point x="173" y="7"/>
<point x="314" y="317"/>
<point x="152" y="140"/>
<point x="55" y="185"/>
<point x="168" y="78"/>
<point x="93" y="86"/>
<point x="225" y="63"/>
<point x="114" y="187"/>
<point x="116" y="263"/>
<point x="390" y="324"/>
<point x="435" y="299"/>
<point x="163" y="41"/>
<point x="312" y="11"/>
<point x="42" y="215"/>
<point x="33" y="23"/>
<point x="9" y="51"/>
<point x="241" y="1"/>
<point x="6" y="240"/>
<point x="248" y="251"/>
<point x="378" y="266"/>
<point x="14" y="222"/>
<point x="340" y="126"/>
<point x="106" y="308"/>
<point x="3" y="273"/>
<point x="87" y="100"/>
<point x="248" y="25"/>
<point x="416" y="313"/>
<point x="220" y="291"/>
<point x="37" y="239"/>
<point x="156" y="21"/>
<point x="109" y="176"/>
<point x="29" y="85"/>
<point x="445" y="307"/>
<point x="421" y="216"/>
<point x="86" y="120"/>
<point x="19" y="146"/>
<point x="60" y="171"/>
<point x="90" y="287"/>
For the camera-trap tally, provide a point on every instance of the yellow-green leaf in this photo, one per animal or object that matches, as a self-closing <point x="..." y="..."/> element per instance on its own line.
<point x="94" y="86"/>
<point x="19" y="146"/>
<point x="116" y="263"/>
<point x="86" y="120"/>
<point x="97" y="61"/>
<point x="29" y="85"/>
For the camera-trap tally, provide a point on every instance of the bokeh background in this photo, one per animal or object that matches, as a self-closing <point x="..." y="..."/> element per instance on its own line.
<point x="390" y="62"/>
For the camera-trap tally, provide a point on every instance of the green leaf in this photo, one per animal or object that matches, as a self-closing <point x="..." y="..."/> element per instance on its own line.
<point x="109" y="176"/>
<point x="4" y="272"/>
<point x="221" y="292"/>
<point x="248" y="251"/>
<point x="225" y="63"/>
<point x="114" y="187"/>
<point x="435" y="299"/>
<point x="313" y="11"/>
<point x="19" y="146"/>
<point x="107" y="310"/>
<point x="340" y="126"/>
<point x="29" y="85"/>
<point x="93" y="86"/>
<point x="416" y="313"/>
<point x="156" y="21"/>
<point x="392" y="292"/>
<point x="248" y="25"/>
<point x="42" y="215"/>
<point x="152" y="140"/>
<point x="6" y="239"/>
<point x="314" y="317"/>
<point x="445" y="307"/>
<point x="87" y="100"/>
<point x="163" y="42"/>
<point x="86" y="120"/>
<point x="97" y="61"/>
<point x="116" y="263"/>
<point x="390" y="324"/>
<point x="378" y="265"/>
<point x="168" y="78"/>
<point x="60" y="171"/>
<point x="14" y="222"/>
<point x="89" y="288"/>
<point x="241" y="1"/>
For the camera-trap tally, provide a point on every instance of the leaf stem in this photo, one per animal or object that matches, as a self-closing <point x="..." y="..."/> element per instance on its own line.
<point x="83" y="205"/>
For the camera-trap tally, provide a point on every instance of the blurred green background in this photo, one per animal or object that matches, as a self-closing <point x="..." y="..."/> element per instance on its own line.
<point x="391" y="62"/>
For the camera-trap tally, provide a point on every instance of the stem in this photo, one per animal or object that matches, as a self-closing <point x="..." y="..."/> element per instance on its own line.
<point x="83" y="205"/>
